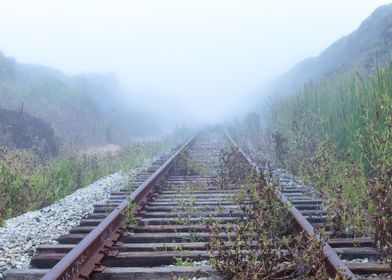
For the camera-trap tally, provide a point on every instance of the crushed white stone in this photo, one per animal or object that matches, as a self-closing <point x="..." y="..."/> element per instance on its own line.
<point x="22" y="234"/>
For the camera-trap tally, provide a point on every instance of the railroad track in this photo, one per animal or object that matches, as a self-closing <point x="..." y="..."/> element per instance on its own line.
<point x="359" y="254"/>
<point x="170" y="237"/>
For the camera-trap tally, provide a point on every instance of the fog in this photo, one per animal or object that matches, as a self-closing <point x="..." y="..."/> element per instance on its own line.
<point x="198" y="60"/>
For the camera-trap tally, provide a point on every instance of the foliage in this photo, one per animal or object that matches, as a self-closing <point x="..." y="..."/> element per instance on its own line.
<point x="129" y="214"/>
<point x="19" y="130"/>
<point x="27" y="184"/>
<point x="333" y="109"/>
<point x="343" y="187"/>
<point x="377" y="150"/>
<point x="281" y="148"/>
<point x="180" y="261"/>
<point x="338" y="133"/>
<point x="248" y="132"/>
<point x="189" y="166"/>
<point x="233" y="168"/>
<point x="261" y="245"/>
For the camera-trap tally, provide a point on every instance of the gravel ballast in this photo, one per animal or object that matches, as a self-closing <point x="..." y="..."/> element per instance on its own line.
<point x="22" y="234"/>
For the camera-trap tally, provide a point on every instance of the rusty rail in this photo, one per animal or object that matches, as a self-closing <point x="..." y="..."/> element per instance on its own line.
<point x="333" y="263"/>
<point x="85" y="257"/>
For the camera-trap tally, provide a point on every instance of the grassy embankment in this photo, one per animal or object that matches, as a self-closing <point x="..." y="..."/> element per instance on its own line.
<point x="337" y="134"/>
<point x="28" y="184"/>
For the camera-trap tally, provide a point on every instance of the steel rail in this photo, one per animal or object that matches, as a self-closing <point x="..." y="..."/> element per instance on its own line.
<point x="85" y="257"/>
<point x="334" y="264"/>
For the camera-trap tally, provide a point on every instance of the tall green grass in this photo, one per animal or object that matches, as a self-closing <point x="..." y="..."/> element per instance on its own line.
<point x="338" y="136"/>
<point x="336" y="109"/>
<point x="27" y="184"/>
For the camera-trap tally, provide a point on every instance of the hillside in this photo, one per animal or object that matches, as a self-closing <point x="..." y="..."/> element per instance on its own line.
<point x="335" y="132"/>
<point x="19" y="130"/>
<point x="371" y="43"/>
<point x="84" y="110"/>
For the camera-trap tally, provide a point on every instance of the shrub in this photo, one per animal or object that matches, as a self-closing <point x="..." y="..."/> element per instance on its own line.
<point x="23" y="131"/>
<point x="262" y="245"/>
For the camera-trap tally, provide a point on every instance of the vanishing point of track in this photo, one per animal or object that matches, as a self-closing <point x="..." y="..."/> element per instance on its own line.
<point x="101" y="248"/>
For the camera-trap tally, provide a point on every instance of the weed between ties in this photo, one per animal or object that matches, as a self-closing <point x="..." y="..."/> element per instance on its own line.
<point x="263" y="244"/>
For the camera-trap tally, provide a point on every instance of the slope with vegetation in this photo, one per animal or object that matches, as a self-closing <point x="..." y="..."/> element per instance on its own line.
<point x="47" y="120"/>
<point x="335" y="132"/>
<point x="362" y="50"/>
<point x="83" y="110"/>
<point x="28" y="183"/>
<point x="19" y="130"/>
<point x="336" y="135"/>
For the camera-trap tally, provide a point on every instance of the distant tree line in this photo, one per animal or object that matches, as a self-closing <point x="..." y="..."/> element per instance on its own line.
<point x="20" y="130"/>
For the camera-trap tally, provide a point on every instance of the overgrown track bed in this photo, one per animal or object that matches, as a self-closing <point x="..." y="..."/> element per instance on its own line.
<point x="174" y="202"/>
<point x="358" y="253"/>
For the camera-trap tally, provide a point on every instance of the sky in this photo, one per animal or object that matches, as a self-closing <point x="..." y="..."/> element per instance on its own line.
<point x="200" y="59"/>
